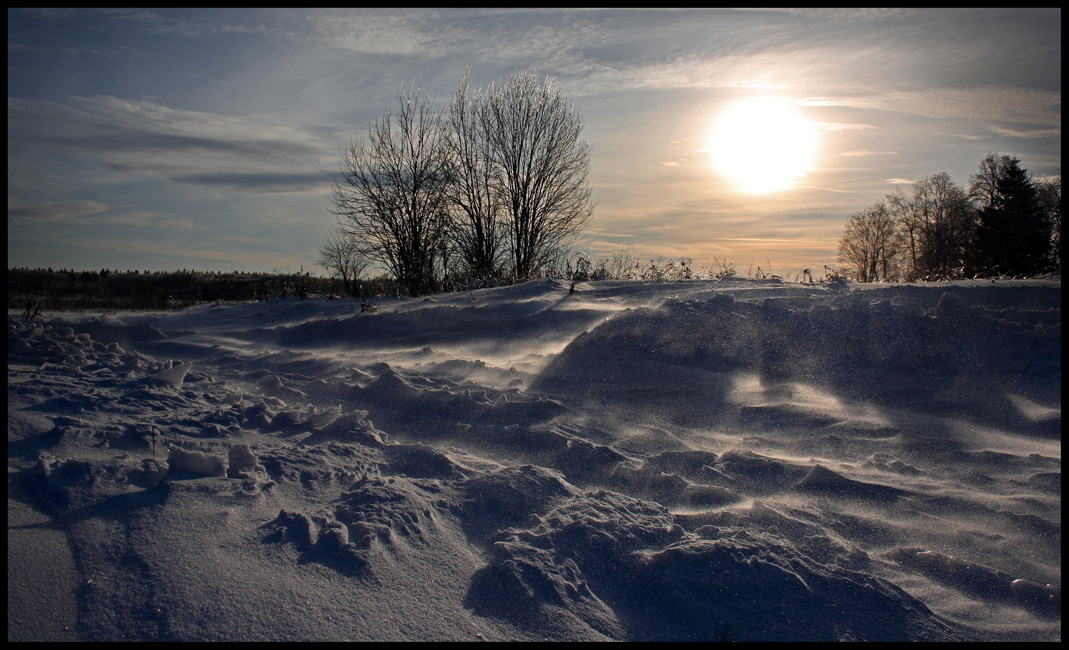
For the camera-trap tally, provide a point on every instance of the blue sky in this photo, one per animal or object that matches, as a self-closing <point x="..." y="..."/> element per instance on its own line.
<point x="207" y="139"/>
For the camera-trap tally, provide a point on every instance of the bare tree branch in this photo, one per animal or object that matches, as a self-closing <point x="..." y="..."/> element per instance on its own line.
<point x="504" y="174"/>
<point x="477" y="232"/>
<point x="541" y="167"/>
<point x="341" y="254"/>
<point x="392" y="192"/>
<point x="869" y="244"/>
<point x="937" y="223"/>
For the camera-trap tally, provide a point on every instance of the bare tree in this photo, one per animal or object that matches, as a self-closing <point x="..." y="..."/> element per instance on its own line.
<point x="541" y="167"/>
<point x="477" y="230"/>
<point x="869" y="244"/>
<point x="392" y="194"/>
<point x="983" y="186"/>
<point x="341" y="255"/>
<point x="1049" y="191"/>
<point x="901" y="206"/>
<point x="936" y="222"/>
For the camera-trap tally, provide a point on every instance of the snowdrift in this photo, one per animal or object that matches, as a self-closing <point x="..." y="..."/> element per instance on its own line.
<point x="699" y="460"/>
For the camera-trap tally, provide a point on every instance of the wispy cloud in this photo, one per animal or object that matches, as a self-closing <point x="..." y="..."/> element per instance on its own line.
<point x="88" y="213"/>
<point x="867" y="154"/>
<point x="176" y="223"/>
<point x="52" y="211"/>
<point x="824" y="189"/>
<point x="275" y="183"/>
<point x="196" y="147"/>
<point x="963" y="136"/>
<point x="137" y="218"/>
<point x="1026" y="134"/>
<point x="50" y="13"/>
<point x="990" y="103"/>
<point x="190" y="23"/>
<point x="842" y="126"/>
<point x="430" y="33"/>
<point x="381" y="32"/>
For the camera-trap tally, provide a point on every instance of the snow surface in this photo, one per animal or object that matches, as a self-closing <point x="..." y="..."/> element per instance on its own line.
<point x="698" y="460"/>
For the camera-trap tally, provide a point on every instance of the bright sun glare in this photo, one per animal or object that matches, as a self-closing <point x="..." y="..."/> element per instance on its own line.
<point x="762" y="144"/>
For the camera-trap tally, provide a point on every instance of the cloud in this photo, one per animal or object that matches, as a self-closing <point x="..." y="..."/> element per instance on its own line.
<point x="1027" y="135"/>
<point x="381" y="32"/>
<point x="867" y="154"/>
<point x="131" y="125"/>
<point x="52" y="211"/>
<point x="963" y="136"/>
<point x="823" y="189"/>
<point x="159" y="21"/>
<point x="198" y="147"/>
<point x="86" y="213"/>
<point x="856" y="14"/>
<point x="842" y="126"/>
<point x="261" y="182"/>
<point x="553" y="39"/>
<point x="138" y="218"/>
<point x="998" y="102"/>
<point x="179" y="223"/>
<point x="48" y="13"/>
<point x="19" y="47"/>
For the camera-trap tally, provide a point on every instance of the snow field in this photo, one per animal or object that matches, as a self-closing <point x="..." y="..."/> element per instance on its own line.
<point x="745" y="460"/>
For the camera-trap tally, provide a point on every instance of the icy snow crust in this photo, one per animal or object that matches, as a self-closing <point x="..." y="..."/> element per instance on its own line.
<point x="743" y="460"/>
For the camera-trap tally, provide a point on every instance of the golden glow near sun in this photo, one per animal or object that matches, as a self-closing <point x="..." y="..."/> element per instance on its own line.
<point x="762" y="144"/>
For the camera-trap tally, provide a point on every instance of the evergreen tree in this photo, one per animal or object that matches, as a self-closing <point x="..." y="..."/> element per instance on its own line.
<point x="1013" y="233"/>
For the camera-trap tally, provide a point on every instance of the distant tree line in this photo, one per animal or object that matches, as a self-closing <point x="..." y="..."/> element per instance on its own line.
<point x="1006" y="224"/>
<point x="49" y="290"/>
<point x="494" y="185"/>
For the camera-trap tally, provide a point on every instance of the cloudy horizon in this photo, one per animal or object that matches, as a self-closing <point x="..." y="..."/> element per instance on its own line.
<point x="208" y="139"/>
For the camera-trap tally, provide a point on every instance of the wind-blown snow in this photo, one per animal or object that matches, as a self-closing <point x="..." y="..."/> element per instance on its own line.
<point x="698" y="460"/>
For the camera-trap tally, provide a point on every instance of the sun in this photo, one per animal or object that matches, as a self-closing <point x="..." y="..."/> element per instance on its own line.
<point x="762" y="144"/>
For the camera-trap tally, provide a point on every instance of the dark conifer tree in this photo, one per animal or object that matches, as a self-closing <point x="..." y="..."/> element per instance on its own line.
<point x="1013" y="233"/>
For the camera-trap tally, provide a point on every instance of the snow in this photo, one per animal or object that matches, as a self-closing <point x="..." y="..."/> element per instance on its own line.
<point x="694" y="460"/>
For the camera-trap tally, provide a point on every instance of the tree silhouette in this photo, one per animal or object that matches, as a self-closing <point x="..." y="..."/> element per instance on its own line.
<point x="341" y="255"/>
<point x="392" y="193"/>
<point x="936" y="223"/>
<point x="501" y="179"/>
<point x="869" y="244"/>
<point x="1012" y="234"/>
<point x="1049" y="192"/>
<point x="477" y="231"/>
<point x="541" y="167"/>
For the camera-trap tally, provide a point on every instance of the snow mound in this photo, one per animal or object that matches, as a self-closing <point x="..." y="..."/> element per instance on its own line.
<point x="608" y="560"/>
<point x="969" y="577"/>
<point x="172" y="376"/>
<point x="193" y="463"/>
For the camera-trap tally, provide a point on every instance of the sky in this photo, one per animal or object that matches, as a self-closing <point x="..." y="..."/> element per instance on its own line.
<point x="163" y="139"/>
